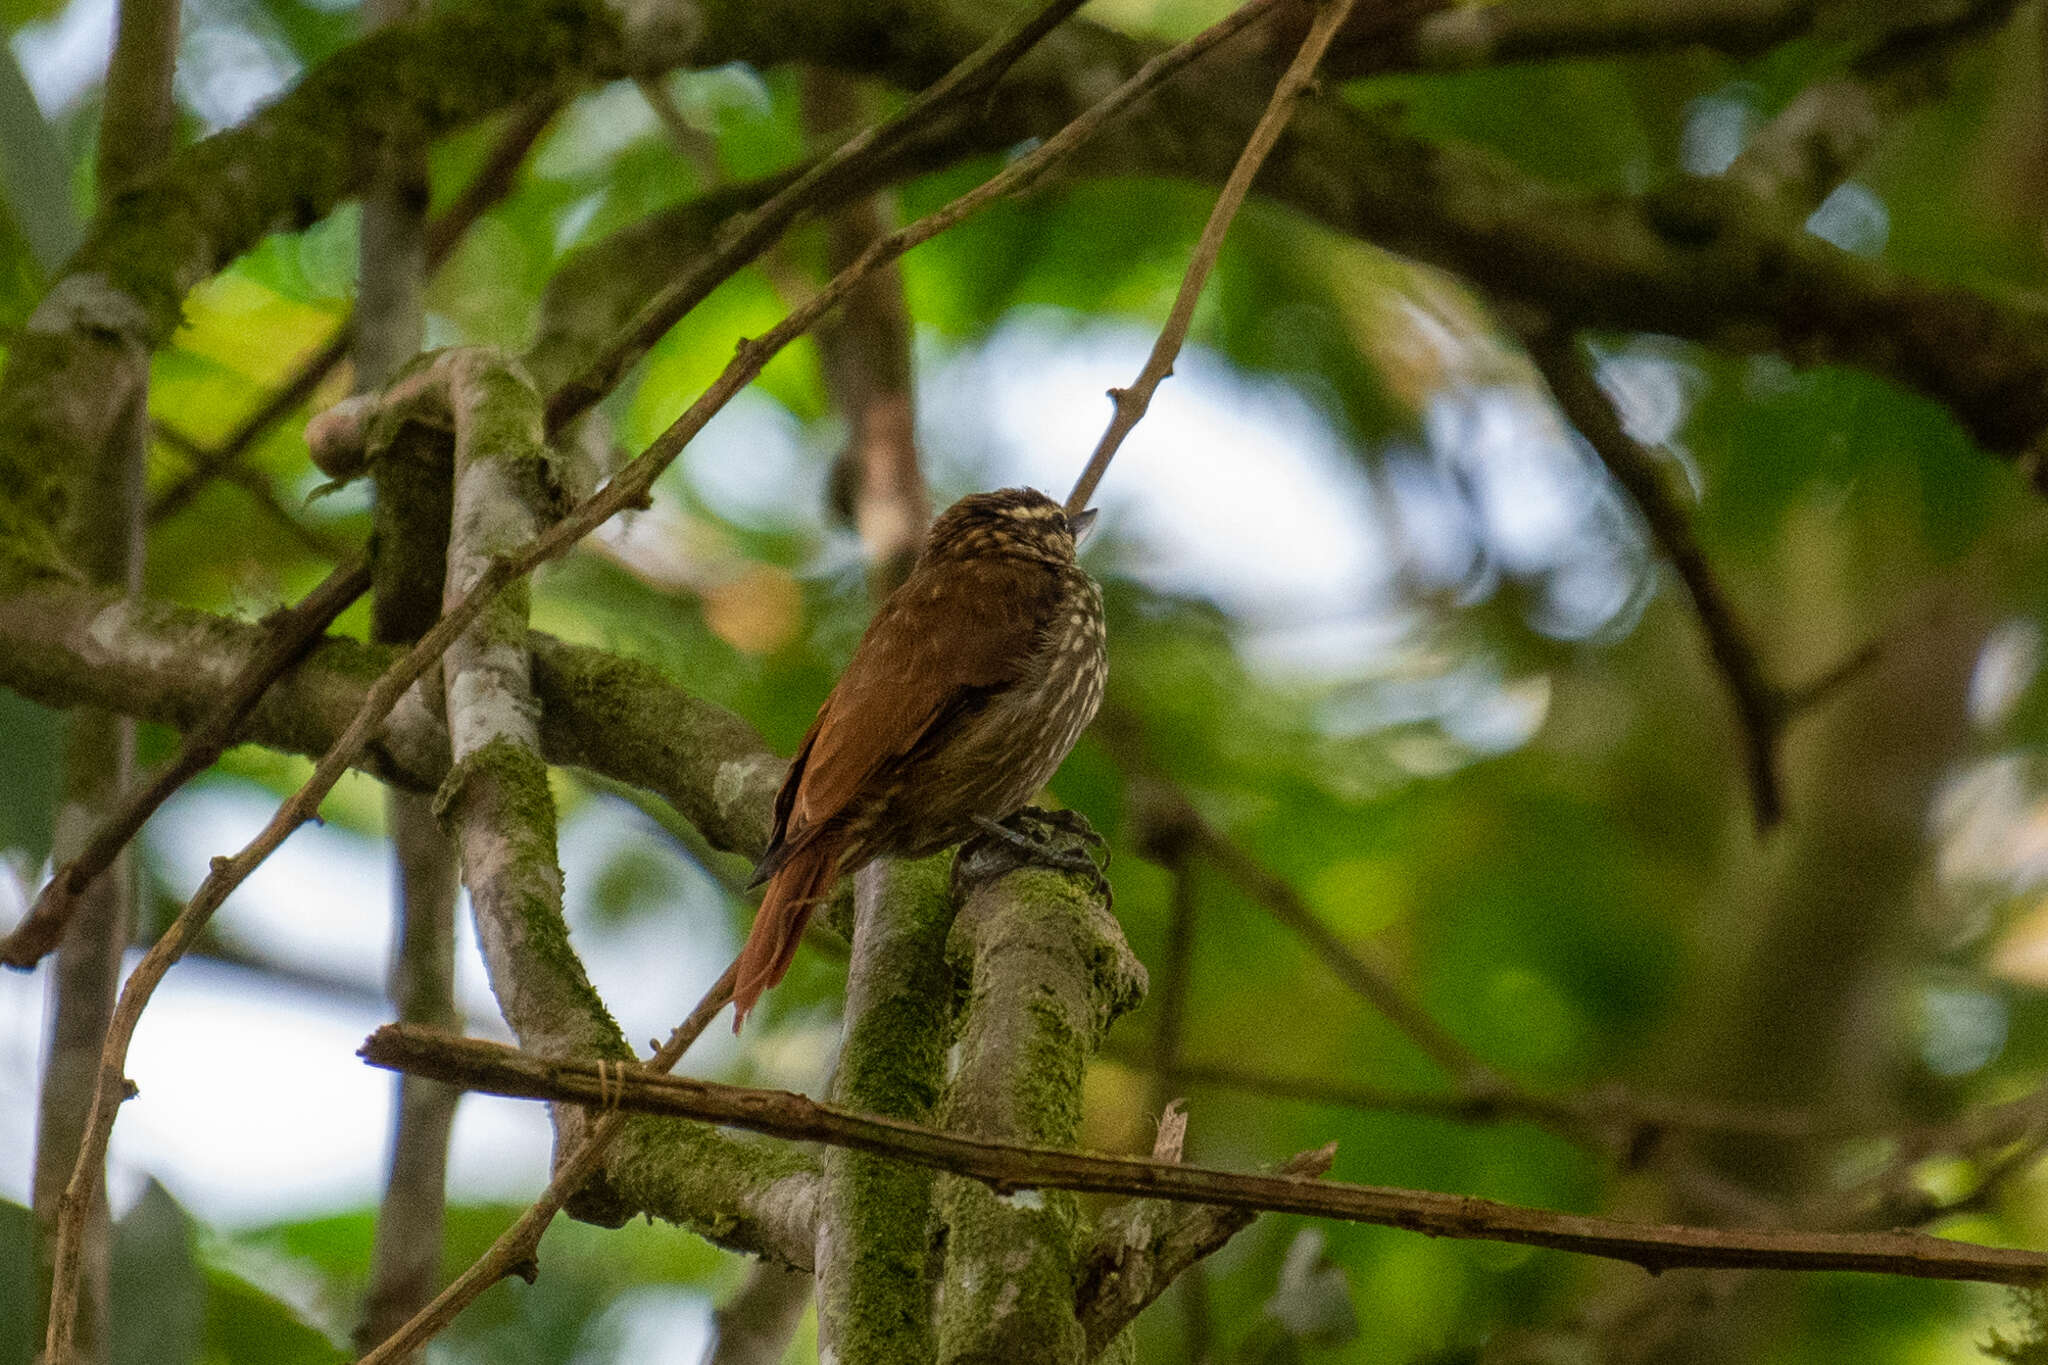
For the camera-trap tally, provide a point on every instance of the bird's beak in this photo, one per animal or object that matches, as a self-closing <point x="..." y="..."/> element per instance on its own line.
<point x="1081" y="523"/>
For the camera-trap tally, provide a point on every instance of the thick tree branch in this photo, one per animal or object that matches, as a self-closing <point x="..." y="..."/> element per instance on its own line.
<point x="496" y="798"/>
<point x="65" y="646"/>
<point x="1047" y="973"/>
<point x="1010" y="1167"/>
<point x="875" y="1218"/>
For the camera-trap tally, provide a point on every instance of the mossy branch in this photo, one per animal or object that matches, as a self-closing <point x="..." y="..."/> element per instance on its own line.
<point x="1048" y="971"/>
<point x="66" y="645"/>
<point x="876" y="1224"/>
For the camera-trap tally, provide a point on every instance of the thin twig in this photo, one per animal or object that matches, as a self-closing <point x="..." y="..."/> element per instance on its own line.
<point x="747" y="237"/>
<point x="514" y="1251"/>
<point x="1132" y="402"/>
<point x="492" y="182"/>
<point x="1762" y="709"/>
<point x="291" y="632"/>
<point x="494" y="1068"/>
<point x="1353" y="967"/>
<point x="1607" y="1119"/>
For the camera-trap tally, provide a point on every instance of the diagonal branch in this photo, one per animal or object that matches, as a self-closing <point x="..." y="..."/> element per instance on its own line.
<point x="1132" y="402"/>
<point x="1010" y="1166"/>
<point x="1762" y="709"/>
<point x="288" y="635"/>
<point x="747" y="238"/>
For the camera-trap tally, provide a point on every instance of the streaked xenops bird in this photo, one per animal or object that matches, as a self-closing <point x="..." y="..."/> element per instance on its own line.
<point x="973" y="681"/>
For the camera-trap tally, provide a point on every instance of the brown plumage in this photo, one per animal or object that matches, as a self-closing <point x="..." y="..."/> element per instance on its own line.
<point x="973" y="681"/>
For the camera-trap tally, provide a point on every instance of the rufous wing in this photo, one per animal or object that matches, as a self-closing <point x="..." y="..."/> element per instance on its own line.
<point x="941" y="641"/>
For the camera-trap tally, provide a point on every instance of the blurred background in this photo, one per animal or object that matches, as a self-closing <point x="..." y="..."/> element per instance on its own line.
<point x="1376" y="613"/>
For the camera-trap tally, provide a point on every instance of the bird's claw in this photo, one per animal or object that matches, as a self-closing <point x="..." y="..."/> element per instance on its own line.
<point x="1067" y="822"/>
<point x="1015" y="841"/>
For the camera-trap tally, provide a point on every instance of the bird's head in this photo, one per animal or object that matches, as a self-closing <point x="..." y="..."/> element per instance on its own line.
<point x="1009" y="521"/>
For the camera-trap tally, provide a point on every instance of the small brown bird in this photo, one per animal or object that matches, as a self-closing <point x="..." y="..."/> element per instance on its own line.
<point x="973" y="681"/>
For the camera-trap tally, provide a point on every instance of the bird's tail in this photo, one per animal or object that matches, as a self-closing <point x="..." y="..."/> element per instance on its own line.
<point x="793" y="893"/>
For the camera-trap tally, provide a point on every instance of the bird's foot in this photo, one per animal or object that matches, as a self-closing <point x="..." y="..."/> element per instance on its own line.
<point x="1065" y="821"/>
<point x="1031" y="837"/>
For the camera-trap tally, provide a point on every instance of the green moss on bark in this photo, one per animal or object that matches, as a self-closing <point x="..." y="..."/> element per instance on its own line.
<point x="504" y="787"/>
<point x="712" y="766"/>
<point x="1049" y="972"/>
<point x="875" y="1258"/>
<point x="747" y="1195"/>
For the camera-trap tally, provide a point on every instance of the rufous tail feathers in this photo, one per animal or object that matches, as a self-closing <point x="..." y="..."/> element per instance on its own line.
<point x="799" y="883"/>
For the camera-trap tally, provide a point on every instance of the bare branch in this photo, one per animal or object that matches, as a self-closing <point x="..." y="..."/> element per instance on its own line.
<point x="1009" y="1166"/>
<point x="1131" y="402"/>
<point x="1761" y="708"/>
<point x="69" y="646"/>
<point x="743" y="240"/>
<point x="288" y="635"/>
<point x="514" y="1251"/>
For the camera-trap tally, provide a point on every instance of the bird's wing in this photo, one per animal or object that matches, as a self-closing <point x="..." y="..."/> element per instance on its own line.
<point x="938" y="646"/>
